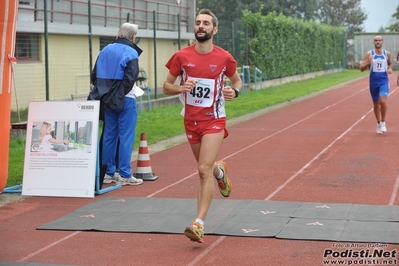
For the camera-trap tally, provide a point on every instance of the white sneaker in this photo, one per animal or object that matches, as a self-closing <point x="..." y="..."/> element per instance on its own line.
<point x="379" y="128"/>
<point x="129" y="181"/>
<point x="383" y="126"/>
<point x="110" y="179"/>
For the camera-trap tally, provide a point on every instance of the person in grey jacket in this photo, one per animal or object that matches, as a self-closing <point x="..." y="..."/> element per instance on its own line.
<point x="113" y="78"/>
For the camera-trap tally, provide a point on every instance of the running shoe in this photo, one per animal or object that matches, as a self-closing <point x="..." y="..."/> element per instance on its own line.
<point x="195" y="232"/>
<point x="383" y="127"/>
<point x="129" y="181"/>
<point x="379" y="128"/>
<point x="224" y="183"/>
<point x="110" y="179"/>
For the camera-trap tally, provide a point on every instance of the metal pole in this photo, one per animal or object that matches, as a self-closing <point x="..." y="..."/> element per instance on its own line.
<point x="246" y="45"/>
<point x="155" y="53"/>
<point x="46" y="51"/>
<point x="178" y="25"/>
<point x="345" y="50"/>
<point x="90" y="39"/>
<point x="178" y="30"/>
<point x="232" y="38"/>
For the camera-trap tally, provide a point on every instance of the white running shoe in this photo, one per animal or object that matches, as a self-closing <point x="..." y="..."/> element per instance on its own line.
<point x="110" y="179"/>
<point x="129" y="181"/>
<point x="379" y="128"/>
<point x="383" y="126"/>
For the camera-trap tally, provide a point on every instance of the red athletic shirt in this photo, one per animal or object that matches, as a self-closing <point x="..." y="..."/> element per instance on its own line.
<point x="206" y="101"/>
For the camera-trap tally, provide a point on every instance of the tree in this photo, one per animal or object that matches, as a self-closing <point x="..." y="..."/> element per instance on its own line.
<point x="228" y="9"/>
<point x="339" y="13"/>
<point x="342" y="13"/>
<point x="291" y="8"/>
<point x="395" y="26"/>
<point x="232" y="9"/>
<point x="381" y="29"/>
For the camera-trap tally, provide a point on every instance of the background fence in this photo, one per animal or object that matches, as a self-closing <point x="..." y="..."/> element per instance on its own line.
<point x="363" y="43"/>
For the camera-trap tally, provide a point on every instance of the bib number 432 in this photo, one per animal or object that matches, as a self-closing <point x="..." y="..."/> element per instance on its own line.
<point x="202" y="94"/>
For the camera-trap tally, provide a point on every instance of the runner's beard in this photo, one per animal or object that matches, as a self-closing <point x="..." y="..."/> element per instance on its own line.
<point x="203" y="38"/>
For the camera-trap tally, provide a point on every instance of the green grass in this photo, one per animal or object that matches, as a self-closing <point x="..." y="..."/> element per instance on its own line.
<point x="166" y="122"/>
<point x="16" y="161"/>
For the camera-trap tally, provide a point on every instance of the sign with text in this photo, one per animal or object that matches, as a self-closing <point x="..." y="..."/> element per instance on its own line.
<point x="61" y="149"/>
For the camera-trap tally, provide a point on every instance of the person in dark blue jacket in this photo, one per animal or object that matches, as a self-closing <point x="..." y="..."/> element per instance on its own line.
<point x="113" y="79"/>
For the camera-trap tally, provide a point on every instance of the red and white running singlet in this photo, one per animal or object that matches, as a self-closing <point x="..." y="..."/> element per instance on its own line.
<point x="206" y="100"/>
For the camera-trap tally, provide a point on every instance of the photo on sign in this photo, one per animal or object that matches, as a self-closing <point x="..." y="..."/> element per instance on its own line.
<point x="61" y="136"/>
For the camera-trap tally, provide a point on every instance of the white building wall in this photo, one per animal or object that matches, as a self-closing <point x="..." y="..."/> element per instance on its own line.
<point x="69" y="54"/>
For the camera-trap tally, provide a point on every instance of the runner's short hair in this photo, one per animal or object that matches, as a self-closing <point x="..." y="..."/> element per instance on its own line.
<point x="206" y="11"/>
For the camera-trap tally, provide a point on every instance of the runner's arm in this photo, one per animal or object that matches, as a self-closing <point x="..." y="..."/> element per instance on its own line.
<point x="170" y="88"/>
<point x="366" y="62"/>
<point x="389" y="63"/>
<point x="228" y="91"/>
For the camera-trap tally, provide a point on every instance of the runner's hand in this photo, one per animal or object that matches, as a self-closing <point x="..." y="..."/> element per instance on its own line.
<point x="188" y="86"/>
<point x="229" y="93"/>
<point x="370" y="60"/>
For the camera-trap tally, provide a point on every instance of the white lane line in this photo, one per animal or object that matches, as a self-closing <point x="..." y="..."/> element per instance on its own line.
<point x="206" y="251"/>
<point x="395" y="189"/>
<point x="315" y="158"/>
<point x="394" y="192"/>
<point x="173" y="184"/>
<point x="396" y="184"/>
<point x="294" y="124"/>
<point x="49" y="246"/>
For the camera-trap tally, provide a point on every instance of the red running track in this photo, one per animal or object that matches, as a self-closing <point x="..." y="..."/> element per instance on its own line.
<point x="321" y="149"/>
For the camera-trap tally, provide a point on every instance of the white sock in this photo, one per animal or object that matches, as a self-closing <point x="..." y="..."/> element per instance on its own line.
<point x="220" y="177"/>
<point x="198" y="220"/>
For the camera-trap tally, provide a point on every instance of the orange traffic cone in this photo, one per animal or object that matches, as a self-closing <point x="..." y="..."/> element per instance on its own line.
<point x="143" y="170"/>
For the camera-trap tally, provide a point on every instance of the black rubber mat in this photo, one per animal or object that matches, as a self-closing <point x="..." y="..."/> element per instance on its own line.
<point x="247" y="218"/>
